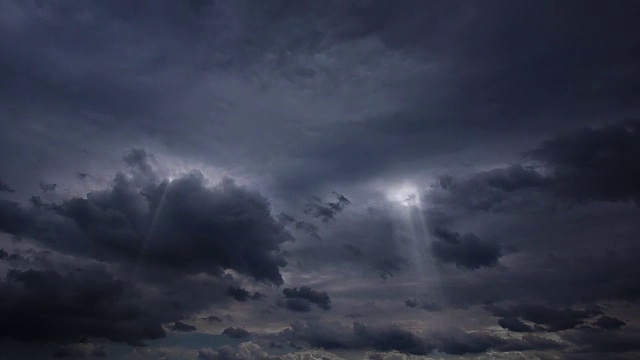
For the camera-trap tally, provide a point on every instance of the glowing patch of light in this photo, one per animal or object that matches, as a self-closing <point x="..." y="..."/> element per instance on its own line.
<point x="413" y="238"/>
<point x="404" y="194"/>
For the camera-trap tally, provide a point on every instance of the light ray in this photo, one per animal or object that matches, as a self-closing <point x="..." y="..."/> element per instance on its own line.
<point x="406" y="199"/>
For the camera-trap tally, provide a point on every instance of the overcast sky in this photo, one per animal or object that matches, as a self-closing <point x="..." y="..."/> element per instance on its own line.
<point x="283" y="180"/>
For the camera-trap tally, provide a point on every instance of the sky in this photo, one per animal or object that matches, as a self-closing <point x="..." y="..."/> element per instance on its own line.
<point x="302" y="180"/>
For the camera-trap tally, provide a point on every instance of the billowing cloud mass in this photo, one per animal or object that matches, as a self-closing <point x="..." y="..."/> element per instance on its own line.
<point x="300" y="180"/>
<point x="43" y="305"/>
<point x="183" y="224"/>
<point x="140" y="219"/>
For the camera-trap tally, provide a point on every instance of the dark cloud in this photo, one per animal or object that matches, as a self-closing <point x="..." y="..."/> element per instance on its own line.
<point x="353" y="250"/>
<point x="47" y="305"/>
<point x="411" y="303"/>
<point x="388" y="266"/>
<point x="457" y="342"/>
<point x="4" y="187"/>
<point x="392" y="338"/>
<point x="80" y="350"/>
<point x="213" y="318"/>
<point x="299" y="299"/>
<point x="466" y="251"/>
<point x="326" y="210"/>
<point x="569" y="280"/>
<point x="286" y="219"/>
<point x="425" y="305"/>
<point x="608" y="322"/>
<point x="242" y="295"/>
<point x="138" y="219"/>
<point x="590" y="341"/>
<point x="353" y="316"/>
<point x="545" y="318"/>
<point x="514" y="324"/>
<point x="180" y="326"/>
<point x="583" y="165"/>
<point x="295" y="304"/>
<point x="223" y="353"/>
<point x="495" y="190"/>
<point x="373" y="233"/>
<point x="47" y="187"/>
<point x="236" y="333"/>
<point x="308" y="228"/>
<point x="142" y="164"/>
<point x="362" y="96"/>
<point x="320" y="335"/>
<point x="595" y="164"/>
<point x="117" y="226"/>
<point x="245" y="351"/>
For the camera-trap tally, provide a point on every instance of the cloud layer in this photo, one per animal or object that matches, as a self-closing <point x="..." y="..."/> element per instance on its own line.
<point x="288" y="180"/>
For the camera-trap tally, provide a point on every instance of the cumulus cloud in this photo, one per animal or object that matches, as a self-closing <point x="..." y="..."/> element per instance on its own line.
<point x="362" y="96"/>
<point x="181" y="224"/>
<point x="173" y="232"/>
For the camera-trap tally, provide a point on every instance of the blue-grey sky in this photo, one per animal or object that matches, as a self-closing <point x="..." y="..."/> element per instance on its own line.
<point x="279" y="180"/>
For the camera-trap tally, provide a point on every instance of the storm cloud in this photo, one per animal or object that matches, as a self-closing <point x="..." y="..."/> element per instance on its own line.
<point x="545" y="318"/>
<point x="465" y="251"/>
<point x="451" y="341"/>
<point x="300" y="299"/>
<point x="71" y="307"/>
<point x="181" y="224"/>
<point x="240" y="180"/>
